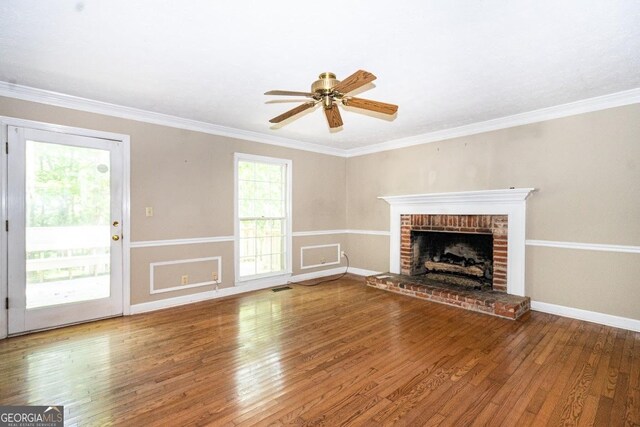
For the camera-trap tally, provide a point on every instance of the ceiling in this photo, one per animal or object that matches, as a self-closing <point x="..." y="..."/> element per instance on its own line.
<point x="445" y="63"/>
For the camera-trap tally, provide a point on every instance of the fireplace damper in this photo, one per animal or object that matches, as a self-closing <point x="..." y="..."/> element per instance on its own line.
<point x="464" y="259"/>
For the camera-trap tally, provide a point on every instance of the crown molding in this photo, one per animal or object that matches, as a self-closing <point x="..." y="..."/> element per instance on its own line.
<point x="57" y="99"/>
<point x="588" y="105"/>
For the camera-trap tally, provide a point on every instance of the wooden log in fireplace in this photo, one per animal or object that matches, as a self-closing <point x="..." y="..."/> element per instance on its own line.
<point x="443" y="267"/>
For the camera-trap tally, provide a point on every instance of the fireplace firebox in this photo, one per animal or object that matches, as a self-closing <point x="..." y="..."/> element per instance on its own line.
<point x="464" y="259"/>
<point x="468" y="250"/>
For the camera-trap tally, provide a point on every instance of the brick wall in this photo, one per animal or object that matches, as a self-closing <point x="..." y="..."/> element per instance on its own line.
<point x="497" y="225"/>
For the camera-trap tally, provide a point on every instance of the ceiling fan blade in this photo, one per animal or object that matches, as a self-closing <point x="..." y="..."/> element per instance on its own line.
<point x="333" y="116"/>
<point x="292" y="112"/>
<point x="367" y="104"/>
<point x="354" y="81"/>
<point x="289" y="93"/>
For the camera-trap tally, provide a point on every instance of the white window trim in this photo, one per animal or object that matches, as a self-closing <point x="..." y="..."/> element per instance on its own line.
<point x="236" y="221"/>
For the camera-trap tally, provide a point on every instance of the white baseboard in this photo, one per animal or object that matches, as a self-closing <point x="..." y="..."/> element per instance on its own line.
<point x="201" y="296"/>
<point x="317" y="274"/>
<point x="363" y="272"/>
<point x="233" y="290"/>
<point x="589" y="316"/>
<point x="331" y="272"/>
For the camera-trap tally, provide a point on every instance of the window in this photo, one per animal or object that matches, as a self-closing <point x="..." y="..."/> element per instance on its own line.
<point x="263" y="211"/>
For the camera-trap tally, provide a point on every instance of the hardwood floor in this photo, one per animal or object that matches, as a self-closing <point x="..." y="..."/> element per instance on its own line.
<point x="335" y="354"/>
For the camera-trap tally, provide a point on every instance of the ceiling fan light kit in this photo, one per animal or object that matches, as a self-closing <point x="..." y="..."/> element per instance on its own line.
<point x="330" y="92"/>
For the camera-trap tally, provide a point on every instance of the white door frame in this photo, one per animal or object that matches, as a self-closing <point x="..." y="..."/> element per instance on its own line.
<point x="5" y="122"/>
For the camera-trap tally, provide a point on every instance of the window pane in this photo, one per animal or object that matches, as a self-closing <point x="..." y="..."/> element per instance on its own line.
<point x="276" y="173"/>
<point x="260" y="228"/>
<point x="264" y="264"/>
<point x="264" y="246"/>
<point x="247" y="266"/>
<point x="262" y="171"/>
<point x="247" y="229"/>
<point x="275" y="192"/>
<point x="247" y="247"/>
<point x="246" y="170"/>
<point x="276" y="262"/>
<point x="276" y="245"/>
<point x="246" y="189"/>
<point x="259" y="208"/>
<point x="245" y="208"/>
<point x="277" y="227"/>
<point x="262" y="193"/>
<point x="67" y="236"/>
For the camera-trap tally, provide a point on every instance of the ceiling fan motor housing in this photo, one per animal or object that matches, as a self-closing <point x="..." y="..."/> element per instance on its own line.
<point x="327" y="81"/>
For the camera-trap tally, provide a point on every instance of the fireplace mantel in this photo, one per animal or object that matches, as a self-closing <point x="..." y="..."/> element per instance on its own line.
<point x="511" y="202"/>
<point x="484" y="196"/>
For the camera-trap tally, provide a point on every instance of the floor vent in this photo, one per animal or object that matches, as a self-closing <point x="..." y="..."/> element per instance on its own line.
<point x="282" y="288"/>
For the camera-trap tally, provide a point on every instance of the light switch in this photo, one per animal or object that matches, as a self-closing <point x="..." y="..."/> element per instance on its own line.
<point x="149" y="211"/>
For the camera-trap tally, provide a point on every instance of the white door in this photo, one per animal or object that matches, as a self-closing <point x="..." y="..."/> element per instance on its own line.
<point x="64" y="210"/>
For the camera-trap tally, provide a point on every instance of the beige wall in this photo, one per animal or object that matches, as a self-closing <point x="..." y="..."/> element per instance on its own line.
<point x="587" y="172"/>
<point x="187" y="177"/>
<point x="586" y="168"/>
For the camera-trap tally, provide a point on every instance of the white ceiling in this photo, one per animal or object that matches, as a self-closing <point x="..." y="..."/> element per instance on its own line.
<point x="445" y="63"/>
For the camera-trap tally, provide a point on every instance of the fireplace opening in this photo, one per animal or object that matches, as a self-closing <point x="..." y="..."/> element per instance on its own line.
<point x="464" y="259"/>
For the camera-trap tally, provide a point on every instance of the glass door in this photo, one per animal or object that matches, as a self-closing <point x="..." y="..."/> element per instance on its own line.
<point x="64" y="211"/>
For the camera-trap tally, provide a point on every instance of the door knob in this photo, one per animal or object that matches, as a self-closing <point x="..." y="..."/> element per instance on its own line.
<point x="115" y="237"/>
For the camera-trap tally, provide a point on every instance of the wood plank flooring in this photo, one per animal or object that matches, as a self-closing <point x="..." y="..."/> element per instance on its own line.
<point x="339" y="353"/>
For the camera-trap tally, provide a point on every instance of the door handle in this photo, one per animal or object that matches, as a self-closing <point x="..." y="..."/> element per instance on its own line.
<point x="115" y="237"/>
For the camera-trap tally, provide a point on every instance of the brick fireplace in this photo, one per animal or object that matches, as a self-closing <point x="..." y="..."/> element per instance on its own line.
<point x="495" y="226"/>
<point x="486" y="230"/>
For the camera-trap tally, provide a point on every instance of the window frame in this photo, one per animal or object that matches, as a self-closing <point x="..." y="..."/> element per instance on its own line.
<point x="288" y="240"/>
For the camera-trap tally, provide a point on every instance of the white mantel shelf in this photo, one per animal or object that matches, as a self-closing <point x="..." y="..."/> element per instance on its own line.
<point x="482" y="196"/>
<point x="510" y="202"/>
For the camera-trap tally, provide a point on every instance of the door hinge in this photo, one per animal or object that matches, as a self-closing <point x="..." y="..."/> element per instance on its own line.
<point x="6" y="303"/>
<point x="6" y="225"/>
<point x="6" y="147"/>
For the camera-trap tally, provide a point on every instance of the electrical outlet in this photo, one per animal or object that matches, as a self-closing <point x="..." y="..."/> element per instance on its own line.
<point x="184" y="280"/>
<point x="342" y="254"/>
<point x="214" y="277"/>
<point x="323" y="261"/>
<point x="148" y="211"/>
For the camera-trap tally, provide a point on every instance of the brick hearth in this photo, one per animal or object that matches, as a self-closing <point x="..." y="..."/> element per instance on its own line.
<point x="495" y="303"/>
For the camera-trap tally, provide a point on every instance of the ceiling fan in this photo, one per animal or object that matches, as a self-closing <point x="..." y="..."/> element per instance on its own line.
<point x="330" y="92"/>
